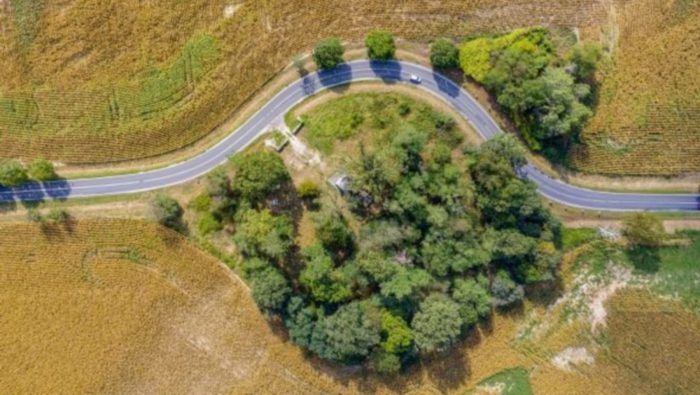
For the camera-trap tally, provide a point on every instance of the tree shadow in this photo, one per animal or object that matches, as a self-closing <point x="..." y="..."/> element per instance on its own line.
<point x="389" y="71"/>
<point x="644" y="259"/>
<point x="337" y="79"/>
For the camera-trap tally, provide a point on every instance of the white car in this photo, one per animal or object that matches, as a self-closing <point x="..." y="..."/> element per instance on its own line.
<point x="416" y="79"/>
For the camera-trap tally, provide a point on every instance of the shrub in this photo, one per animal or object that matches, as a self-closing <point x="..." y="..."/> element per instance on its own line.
<point x="328" y="53"/>
<point x="209" y="224"/>
<point x="58" y="216"/>
<point x="167" y="211"/>
<point x="201" y="203"/>
<point x="309" y="190"/>
<point x="380" y="45"/>
<point x="644" y="230"/>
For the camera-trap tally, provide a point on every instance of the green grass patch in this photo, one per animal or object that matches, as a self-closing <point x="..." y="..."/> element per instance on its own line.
<point x="373" y="114"/>
<point x="575" y="237"/>
<point x="515" y="381"/>
<point x="673" y="271"/>
<point x="27" y="14"/>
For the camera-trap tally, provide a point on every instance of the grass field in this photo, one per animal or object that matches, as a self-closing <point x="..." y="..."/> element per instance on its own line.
<point x="127" y="306"/>
<point x="84" y="82"/>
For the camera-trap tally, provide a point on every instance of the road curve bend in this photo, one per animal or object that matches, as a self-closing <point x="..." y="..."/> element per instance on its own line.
<point x="362" y="70"/>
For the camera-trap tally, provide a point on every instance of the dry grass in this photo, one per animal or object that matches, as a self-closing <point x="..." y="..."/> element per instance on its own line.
<point x="127" y="306"/>
<point x="77" y="75"/>
<point x="648" y="117"/>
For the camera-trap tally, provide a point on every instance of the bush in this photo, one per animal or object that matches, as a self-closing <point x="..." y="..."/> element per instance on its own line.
<point x="12" y="173"/>
<point x="380" y="45"/>
<point x="644" y="230"/>
<point x="42" y="170"/>
<point x="201" y="203"/>
<point x="58" y="216"/>
<point x="309" y="190"/>
<point x="444" y="54"/>
<point x="167" y="211"/>
<point x="328" y="53"/>
<point x="209" y="224"/>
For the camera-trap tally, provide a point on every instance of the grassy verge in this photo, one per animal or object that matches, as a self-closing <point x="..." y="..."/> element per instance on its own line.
<point x="514" y="381"/>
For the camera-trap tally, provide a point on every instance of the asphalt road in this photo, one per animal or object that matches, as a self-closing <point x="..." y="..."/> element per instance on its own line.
<point x="389" y="72"/>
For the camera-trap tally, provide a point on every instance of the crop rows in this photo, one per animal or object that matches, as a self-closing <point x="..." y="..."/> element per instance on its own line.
<point x="648" y="116"/>
<point x="63" y="101"/>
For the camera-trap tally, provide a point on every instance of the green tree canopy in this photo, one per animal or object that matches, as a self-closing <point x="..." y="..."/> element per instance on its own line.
<point x="260" y="233"/>
<point x="258" y="174"/>
<point x="585" y="56"/>
<point x="334" y="233"/>
<point x="380" y="45"/>
<point x="397" y="335"/>
<point x="348" y="334"/>
<point x="473" y="298"/>
<point x="444" y="54"/>
<point x="437" y="324"/>
<point x="328" y="53"/>
<point x="42" y="170"/>
<point x="505" y="291"/>
<point x="12" y="173"/>
<point x="325" y="283"/>
<point x="270" y="289"/>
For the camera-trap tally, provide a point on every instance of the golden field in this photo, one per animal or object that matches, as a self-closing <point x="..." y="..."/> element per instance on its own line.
<point x="128" y="306"/>
<point x="85" y="82"/>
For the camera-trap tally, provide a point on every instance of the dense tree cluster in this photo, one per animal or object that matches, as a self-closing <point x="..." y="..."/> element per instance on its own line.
<point x="443" y="236"/>
<point x="548" y="97"/>
<point x="444" y="54"/>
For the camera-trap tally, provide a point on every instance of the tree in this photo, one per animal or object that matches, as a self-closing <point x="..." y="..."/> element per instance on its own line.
<point x="437" y="324"/>
<point x="167" y="211"/>
<point x="644" y="230"/>
<point x="585" y="56"/>
<point x="505" y="291"/>
<point x="259" y="233"/>
<point x="473" y="298"/>
<point x="334" y="233"/>
<point x="300" y="321"/>
<point x="444" y="54"/>
<point x="270" y="289"/>
<point x="42" y="170"/>
<point x="12" y="173"/>
<point x="258" y="174"/>
<point x="385" y="362"/>
<point x="324" y="283"/>
<point x="397" y="335"/>
<point x="380" y="45"/>
<point x="405" y="283"/>
<point x="328" y="53"/>
<point x="556" y="100"/>
<point x="348" y="334"/>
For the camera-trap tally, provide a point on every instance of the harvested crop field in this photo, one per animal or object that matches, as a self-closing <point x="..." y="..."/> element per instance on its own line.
<point x="85" y="82"/>
<point x="647" y="121"/>
<point x="127" y="306"/>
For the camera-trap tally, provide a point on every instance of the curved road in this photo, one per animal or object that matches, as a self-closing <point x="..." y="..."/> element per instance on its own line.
<point x="390" y="72"/>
